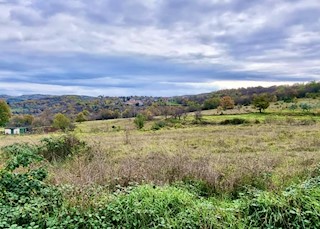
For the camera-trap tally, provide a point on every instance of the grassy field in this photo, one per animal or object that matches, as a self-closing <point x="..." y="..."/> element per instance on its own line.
<point x="284" y="147"/>
<point x="268" y="152"/>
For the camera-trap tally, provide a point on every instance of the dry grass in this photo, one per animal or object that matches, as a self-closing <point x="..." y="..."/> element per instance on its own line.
<point x="11" y="139"/>
<point x="225" y="157"/>
<point x="268" y="155"/>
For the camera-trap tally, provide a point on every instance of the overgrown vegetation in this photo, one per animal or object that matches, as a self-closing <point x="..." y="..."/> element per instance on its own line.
<point x="61" y="147"/>
<point x="29" y="201"/>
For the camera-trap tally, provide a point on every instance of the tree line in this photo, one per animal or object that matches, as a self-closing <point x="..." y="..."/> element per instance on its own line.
<point x="69" y="109"/>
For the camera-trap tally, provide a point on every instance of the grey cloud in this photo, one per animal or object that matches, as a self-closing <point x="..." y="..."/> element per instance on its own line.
<point x="26" y="17"/>
<point x="139" y="43"/>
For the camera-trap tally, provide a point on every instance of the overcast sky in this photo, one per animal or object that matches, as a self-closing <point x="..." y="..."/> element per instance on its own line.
<point x="155" y="47"/>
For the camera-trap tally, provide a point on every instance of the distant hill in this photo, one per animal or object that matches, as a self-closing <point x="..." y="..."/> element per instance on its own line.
<point x="73" y="104"/>
<point x="69" y="104"/>
<point x="13" y="99"/>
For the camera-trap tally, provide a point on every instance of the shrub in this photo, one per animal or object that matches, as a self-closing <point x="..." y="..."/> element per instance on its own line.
<point x="305" y="106"/>
<point x="293" y="107"/>
<point x="158" y="125"/>
<point x="61" y="147"/>
<point x="23" y="150"/>
<point x="139" y="121"/>
<point x="198" y="117"/>
<point x="234" y="121"/>
<point x="308" y="122"/>
<point x="25" y="200"/>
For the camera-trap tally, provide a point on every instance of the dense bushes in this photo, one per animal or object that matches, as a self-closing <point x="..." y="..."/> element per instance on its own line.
<point x="25" y="200"/>
<point x="297" y="207"/>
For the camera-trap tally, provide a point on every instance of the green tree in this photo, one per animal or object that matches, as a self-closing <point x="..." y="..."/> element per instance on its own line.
<point x="193" y="106"/>
<point x="62" y="122"/>
<point x="5" y="113"/>
<point x="211" y="103"/>
<point x="261" y="102"/>
<point x="139" y="121"/>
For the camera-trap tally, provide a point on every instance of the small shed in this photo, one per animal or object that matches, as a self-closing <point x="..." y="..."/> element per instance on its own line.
<point x="15" y="130"/>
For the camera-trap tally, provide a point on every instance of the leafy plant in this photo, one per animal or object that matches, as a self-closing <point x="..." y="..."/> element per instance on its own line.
<point x="61" y="147"/>
<point x="139" y="121"/>
<point x="305" y="106"/>
<point x="25" y="200"/>
<point x="5" y="113"/>
<point x="158" y="125"/>
<point x="148" y="206"/>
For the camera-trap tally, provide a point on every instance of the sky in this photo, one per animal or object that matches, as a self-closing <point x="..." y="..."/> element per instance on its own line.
<point x="156" y="47"/>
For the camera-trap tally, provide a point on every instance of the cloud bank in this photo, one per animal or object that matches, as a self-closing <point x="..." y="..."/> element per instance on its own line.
<point x="156" y="47"/>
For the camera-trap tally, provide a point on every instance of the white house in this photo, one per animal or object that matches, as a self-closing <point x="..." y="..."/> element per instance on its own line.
<point x="15" y="130"/>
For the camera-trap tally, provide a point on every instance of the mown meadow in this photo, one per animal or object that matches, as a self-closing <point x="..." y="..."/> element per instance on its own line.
<point x="240" y="169"/>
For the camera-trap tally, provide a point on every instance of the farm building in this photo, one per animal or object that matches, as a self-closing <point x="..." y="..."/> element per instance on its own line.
<point x="15" y="130"/>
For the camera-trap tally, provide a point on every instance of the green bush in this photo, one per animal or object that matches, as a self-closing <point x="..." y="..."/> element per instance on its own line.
<point x="61" y="147"/>
<point x="234" y="121"/>
<point x="305" y="106"/>
<point x="139" y="121"/>
<point x="158" y="125"/>
<point x="23" y="154"/>
<point x="163" y="207"/>
<point x="25" y="200"/>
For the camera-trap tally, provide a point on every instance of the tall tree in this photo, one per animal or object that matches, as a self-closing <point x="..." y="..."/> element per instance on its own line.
<point x="5" y="113"/>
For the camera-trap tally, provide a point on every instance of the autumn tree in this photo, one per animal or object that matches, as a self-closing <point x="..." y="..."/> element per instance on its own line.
<point x="21" y="120"/>
<point x="226" y="102"/>
<point x="261" y="102"/>
<point x="177" y="112"/>
<point x="45" y="119"/>
<point x="5" y="113"/>
<point x="148" y="114"/>
<point x="109" y="114"/>
<point x="128" y="113"/>
<point x="62" y="122"/>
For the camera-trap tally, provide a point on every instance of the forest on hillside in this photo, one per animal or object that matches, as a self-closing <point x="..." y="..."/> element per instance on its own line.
<point x="39" y="110"/>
